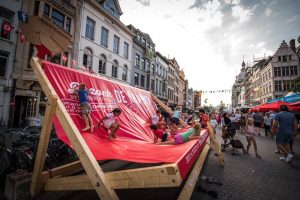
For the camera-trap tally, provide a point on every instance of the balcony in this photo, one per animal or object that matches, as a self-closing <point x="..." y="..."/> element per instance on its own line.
<point x="64" y="5"/>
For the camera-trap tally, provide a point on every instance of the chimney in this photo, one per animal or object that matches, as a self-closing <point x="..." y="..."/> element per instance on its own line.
<point x="293" y="45"/>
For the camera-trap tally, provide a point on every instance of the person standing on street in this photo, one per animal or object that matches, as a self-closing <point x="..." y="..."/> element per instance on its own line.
<point x="287" y="126"/>
<point x="258" y="119"/>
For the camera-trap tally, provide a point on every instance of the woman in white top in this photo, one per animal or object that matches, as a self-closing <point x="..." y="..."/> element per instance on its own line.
<point x="250" y="136"/>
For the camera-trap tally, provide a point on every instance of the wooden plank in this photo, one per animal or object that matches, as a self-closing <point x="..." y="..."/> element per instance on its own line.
<point x="167" y="175"/>
<point x="189" y="186"/>
<point x="215" y="143"/>
<point x="166" y="108"/>
<point x="149" y="177"/>
<point x="90" y="164"/>
<point x="36" y="181"/>
<point x="65" y="170"/>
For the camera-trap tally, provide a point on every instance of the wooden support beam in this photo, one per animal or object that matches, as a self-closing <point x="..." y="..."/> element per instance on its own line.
<point x="90" y="164"/>
<point x="65" y="170"/>
<point x="215" y="143"/>
<point x="165" y="107"/>
<point x="166" y="175"/>
<point x="189" y="186"/>
<point x="36" y="181"/>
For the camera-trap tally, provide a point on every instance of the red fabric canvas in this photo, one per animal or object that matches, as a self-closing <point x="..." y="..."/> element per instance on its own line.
<point x="134" y="138"/>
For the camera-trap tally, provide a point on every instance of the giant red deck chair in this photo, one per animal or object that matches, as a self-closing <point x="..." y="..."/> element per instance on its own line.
<point x="134" y="142"/>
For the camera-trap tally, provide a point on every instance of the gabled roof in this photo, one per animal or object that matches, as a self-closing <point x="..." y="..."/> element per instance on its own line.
<point x="116" y="3"/>
<point x="135" y="30"/>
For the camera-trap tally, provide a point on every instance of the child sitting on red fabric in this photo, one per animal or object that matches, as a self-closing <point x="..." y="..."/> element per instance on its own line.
<point x="159" y="133"/>
<point x="109" y="122"/>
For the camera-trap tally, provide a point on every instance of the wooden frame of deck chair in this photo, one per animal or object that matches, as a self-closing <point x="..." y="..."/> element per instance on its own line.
<point x="62" y="178"/>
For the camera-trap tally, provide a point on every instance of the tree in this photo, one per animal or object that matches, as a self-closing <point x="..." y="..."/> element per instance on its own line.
<point x="296" y="87"/>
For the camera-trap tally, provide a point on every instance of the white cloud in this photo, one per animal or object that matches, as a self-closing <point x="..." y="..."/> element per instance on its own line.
<point x="260" y="45"/>
<point x="292" y="19"/>
<point x="268" y="12"/>
<point x="241" y="13"/>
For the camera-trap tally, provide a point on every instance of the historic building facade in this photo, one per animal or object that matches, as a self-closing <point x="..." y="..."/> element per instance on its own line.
<point x="173" y="80"/>
<point x="8" y="41"/>
<point x="28" y="102"/>
<point x="236" y="88"/>
<point x="105" y="43"/>
<point x="181" y="89"/>
<point x="143" y="57"/>
<point x="161" y="79"/>
<point x="285" y="68"/>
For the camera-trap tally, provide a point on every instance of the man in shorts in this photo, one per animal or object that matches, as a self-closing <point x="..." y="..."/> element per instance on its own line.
<point x="287" y="126"/>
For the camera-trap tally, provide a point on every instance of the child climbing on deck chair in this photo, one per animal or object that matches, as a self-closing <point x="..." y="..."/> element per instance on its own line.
<point x="158" y="120"/>
<point x="85" y="107"/>
<point x="109" y="122"/>
<point x="190" y="134"/>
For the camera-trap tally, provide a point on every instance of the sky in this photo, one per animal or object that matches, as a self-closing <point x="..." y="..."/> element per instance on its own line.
<point x="210" y="38"/>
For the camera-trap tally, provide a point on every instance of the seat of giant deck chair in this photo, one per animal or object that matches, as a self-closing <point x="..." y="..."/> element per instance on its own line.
<point x="134" y="140"/>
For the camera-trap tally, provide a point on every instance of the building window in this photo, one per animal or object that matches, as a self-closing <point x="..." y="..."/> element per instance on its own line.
<point x="110" y="7"/>
<point x="68" y="24"/>
<point x="124" y="74"/>
<point x="295" y="70"/>
<point x="47" y="9"/>
<point x="36" y="8"/>
<point x="137" y="61"/>
<point x="55" y="59"/>
<point x="138" y="37"/>
<point x="114" y="69"/>
<point x="65" y="57"/>
<point x="152" y="69"/>
<point x="136" y="79"/>
<point x="88" y="58"/>
<point x="284" y="58"/>
<point x="116" y="44"/>
<point x="58" y="17"/>
<point x="6" y="17"/>
<point x="147" y="65"/>
<point x="126" y="49"/>
<point x="290" y="57"/>
<point x="283" y="71"/>
<point x="148" y="45"/>
<point x="287" y="70"/>
<point x="277" y="71"/>
<point x="279" y="58"/>
<point x="104" y="37"/>
<point x="152" y="85"/>
<point x="102" y="64"/>
<point x="143" y="41"/>
<point x="142" y="81"/>
<point x="278" y="87"/>
<point x="3" y="63"/>
<point x="89" y="28"/>
<point x="143" y="64"/>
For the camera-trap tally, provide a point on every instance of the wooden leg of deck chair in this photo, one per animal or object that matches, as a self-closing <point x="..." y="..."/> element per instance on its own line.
<point x="89" y="163"/>
<point x="215" y="143"/>
<point x="189" y="186"/>
<point x="36" y="181"/>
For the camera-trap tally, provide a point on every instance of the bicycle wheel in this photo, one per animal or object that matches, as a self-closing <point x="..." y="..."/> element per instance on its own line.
<point x="6" y="161"/>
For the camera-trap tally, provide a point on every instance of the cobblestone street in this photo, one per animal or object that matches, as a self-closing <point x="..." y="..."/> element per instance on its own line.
<point x="248" y="177"/>
<point x="244" y="177"/>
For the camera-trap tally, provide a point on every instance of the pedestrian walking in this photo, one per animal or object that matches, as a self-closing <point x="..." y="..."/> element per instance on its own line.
<point x="258" y="119"/>
<point x="285" y="125"/>
<point x="267" y="124"/>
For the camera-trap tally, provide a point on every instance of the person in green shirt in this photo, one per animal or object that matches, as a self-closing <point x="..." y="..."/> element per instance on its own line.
<point x="190" y="134"/>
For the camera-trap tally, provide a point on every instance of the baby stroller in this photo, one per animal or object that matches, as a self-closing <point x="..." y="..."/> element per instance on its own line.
<point x="228" y="136"/>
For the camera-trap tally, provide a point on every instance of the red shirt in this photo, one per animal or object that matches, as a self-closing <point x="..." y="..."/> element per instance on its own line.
<point x="205" y="119"/>
<point x="159" y="133"/>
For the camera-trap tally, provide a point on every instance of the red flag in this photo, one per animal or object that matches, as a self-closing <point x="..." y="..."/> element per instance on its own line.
<point x="6" y="28"/>
<point x="42" y="51"/>
<point x="22" y="37"/>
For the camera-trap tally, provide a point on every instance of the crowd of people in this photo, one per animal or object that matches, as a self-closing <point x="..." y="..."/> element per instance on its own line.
<point x="165" y="125"/>
<point x="280" y="124"/>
